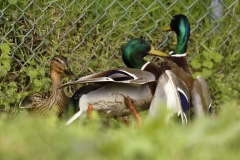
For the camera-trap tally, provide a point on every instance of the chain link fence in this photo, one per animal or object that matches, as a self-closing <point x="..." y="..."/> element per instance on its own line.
<point x="91" y="32"/>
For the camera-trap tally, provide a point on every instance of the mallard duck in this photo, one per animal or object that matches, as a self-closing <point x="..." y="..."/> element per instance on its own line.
<point x="171" y="93"/>
<point x="117" y="89"/>
<point x="180" y="25"/>
<point x="30" y="99"/>
<point x="200" y="95"/>
<point x="42" y="102"/>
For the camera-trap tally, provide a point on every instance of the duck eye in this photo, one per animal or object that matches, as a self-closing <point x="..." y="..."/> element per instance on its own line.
<point x="141" y="42"/>
<point x="57" y="60"/>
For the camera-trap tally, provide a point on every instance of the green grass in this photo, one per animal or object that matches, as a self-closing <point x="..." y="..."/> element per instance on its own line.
<point x="206" y="138"/>
<point x="92" y="37"/>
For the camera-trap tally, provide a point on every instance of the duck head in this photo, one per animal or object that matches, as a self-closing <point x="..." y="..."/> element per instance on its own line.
<point x="180" y="25"/>
<point x="135" y="50"/>
<point x="59" y="65"/>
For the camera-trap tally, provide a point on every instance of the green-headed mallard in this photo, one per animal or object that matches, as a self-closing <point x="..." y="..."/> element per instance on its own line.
<point x="42" y="102"/>
<point x="180" y="25"/>
<point x="111" y="96"/>
<point x="171" y="93"/>
<point x="200" y="96"/>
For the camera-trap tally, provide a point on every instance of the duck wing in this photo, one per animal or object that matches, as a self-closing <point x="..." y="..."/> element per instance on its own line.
<point x="171" y="93"/>
<point x="121" y="75"/>
<point x="201" y="98"/>
<point x="33" y="98"/>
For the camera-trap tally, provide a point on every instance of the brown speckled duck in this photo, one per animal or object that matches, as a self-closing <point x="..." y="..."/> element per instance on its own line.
<point x="41" y="103"/>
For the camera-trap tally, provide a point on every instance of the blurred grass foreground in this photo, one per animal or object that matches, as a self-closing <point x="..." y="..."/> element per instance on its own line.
<point x="28" y="137"/>
<point x="91" y="34"/>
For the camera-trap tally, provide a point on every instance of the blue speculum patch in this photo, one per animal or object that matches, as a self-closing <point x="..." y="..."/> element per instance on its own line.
<point x="184" y="102"/>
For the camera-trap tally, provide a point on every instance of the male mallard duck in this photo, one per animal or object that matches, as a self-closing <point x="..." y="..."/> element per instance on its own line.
<point x="180" y="25"/>
<point x="200" y="96"/>
<point x="122" y="86"/>
<point x="171" y="93"/>
<point x="42" y="102"/>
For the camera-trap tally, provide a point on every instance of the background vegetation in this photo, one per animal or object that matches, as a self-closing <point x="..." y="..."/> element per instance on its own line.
<point x="91" y="34"/>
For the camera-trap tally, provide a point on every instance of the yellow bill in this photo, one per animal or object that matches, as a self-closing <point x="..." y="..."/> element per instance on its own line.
<point x="156" y="52"/>
<point x="167" y="28"/>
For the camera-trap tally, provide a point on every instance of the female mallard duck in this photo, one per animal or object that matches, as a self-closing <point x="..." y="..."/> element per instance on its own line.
<point x="200" y="96"/>
<point x="42" y="102"/>
<point x="138" y="85"/>
<point x="112" y="97"/>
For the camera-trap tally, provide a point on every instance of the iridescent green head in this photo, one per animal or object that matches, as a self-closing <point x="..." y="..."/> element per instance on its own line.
<point x="135" y="50"/>
<point x="181" y="26"/>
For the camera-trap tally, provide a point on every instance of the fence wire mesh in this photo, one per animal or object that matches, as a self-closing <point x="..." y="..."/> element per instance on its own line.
<point x="91" y="32"/>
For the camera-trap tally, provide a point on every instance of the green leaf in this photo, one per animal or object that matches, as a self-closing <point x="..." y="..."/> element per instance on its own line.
<point x="195" y="74"/>
<point x="205" y="54"/>
<point x="10" y="92"/>
<point x="206" y="73"/>
<point x="12" y="1"/>
<point x="220" y="76"/>
<point x="32" y="62"/>
<point x="5" y="48"/>
<point x="195" y="64"/>
<point x="6" y="64"/>
<point x="37" y="83"/>
<point x="208" y="64"/>
<point x="46" y="83"/>
<point x="3" y="71"/>
<point x="13" y="85"/>
<point x="217" y="57"/>
<point x="32" y="74"/>
<point x="41" y="71"/>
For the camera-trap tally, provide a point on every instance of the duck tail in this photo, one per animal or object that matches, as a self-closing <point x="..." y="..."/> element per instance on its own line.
<point x="78" y="114"/>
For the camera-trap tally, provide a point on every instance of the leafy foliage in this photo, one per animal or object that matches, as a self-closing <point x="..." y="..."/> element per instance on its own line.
<point x="206" y="63"/>
<point x="206" y="138"/>
<point x="5" y="59"/>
